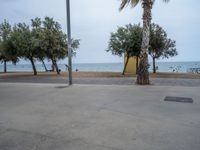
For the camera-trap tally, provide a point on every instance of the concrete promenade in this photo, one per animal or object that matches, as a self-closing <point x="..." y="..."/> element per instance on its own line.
<point x="98" y="117"/>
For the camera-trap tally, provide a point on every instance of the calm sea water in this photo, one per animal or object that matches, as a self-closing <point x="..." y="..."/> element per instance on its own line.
<point x="105" y="67"/>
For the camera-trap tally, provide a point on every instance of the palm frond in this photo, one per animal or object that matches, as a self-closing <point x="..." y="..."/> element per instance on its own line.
<point x="124" y="3"/>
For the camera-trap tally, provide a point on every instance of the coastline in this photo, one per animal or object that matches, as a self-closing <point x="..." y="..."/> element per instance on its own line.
<point x="181" y="67"/>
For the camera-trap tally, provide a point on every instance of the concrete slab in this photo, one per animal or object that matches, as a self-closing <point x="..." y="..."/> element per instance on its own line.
<point x="97" y="117"/>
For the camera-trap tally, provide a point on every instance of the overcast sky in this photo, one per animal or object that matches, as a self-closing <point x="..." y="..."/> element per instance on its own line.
<point x="94" y="20"/>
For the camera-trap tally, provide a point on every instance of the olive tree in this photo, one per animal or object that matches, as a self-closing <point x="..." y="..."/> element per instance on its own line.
<point x="22" y="41"/>
<point x="6" y="52"/>
<point x="54" y="42"/>
<point x="126" y="40"/>
<point x="37" y="34"/>
<point x="160" y="45"/>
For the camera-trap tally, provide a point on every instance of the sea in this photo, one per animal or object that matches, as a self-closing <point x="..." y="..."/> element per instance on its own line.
<point x="181" y="67"/>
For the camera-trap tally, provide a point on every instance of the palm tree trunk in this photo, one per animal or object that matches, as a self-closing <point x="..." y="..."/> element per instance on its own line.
<point x="5" y="66"/>
<point x="127" y="59"/>
<point x="44" y="65"/>
<point x="143" y="72"/>
<point x="154" y="65"/>
<point x="33" y="66"/>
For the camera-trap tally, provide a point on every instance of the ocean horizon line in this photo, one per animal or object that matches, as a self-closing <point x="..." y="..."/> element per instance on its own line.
<point x="113" y="67"/>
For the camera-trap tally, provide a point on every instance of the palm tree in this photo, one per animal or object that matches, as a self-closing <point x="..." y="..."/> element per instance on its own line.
<point x="143" y="73"/>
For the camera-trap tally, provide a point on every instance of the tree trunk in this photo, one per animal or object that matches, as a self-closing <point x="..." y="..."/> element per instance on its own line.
<point x="137" y="59"/>
<point x="143" y="72"/>
<point x="5" y="66"/>
<point x="33" y="66"/>
<point x="52" y="67"/>
<point x="44" y="65"/>
<point x="127" y="59"/>
<point x="154" y="65"/>
<point x="56" y="66"/>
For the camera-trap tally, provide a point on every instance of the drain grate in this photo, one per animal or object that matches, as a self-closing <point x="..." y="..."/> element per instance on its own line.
<point x="61" y="87"/>
<point x="178" y="99"/>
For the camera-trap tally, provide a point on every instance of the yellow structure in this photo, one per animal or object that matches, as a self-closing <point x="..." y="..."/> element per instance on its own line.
<point x="131" y="66"/>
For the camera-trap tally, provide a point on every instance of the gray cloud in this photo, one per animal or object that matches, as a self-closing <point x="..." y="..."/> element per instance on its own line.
<point x="93" y="20"/>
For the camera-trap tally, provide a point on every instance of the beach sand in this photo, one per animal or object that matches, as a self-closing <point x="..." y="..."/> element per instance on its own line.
<point x="100" y="75"/>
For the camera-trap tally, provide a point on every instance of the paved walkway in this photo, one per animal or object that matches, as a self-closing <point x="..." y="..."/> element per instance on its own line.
<point x="97" y="117"/>
<point x="102" y="81"/>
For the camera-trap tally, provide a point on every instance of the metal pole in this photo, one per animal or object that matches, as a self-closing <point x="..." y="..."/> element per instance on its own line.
<point x="69" y="41"/>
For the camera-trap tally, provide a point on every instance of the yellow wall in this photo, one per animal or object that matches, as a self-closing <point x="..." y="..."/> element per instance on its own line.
<point x="131" y="66"/>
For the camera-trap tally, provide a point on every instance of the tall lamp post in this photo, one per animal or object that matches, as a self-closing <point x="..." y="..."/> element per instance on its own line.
<point x="69" y="41"/>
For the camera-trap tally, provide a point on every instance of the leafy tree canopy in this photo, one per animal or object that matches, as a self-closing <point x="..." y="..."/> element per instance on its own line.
<point x="6" y="52"/>
<point x="160" y="45"/>
<point x="43" y="40"/>
<point x="54" y="40"/>
<point x="126" y="40"/>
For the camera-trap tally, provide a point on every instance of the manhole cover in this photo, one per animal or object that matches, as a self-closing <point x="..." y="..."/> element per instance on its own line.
<point x="178" y="99"/>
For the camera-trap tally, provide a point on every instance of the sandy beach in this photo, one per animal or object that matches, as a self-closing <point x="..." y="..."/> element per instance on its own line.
<point x="100" y="75"/>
